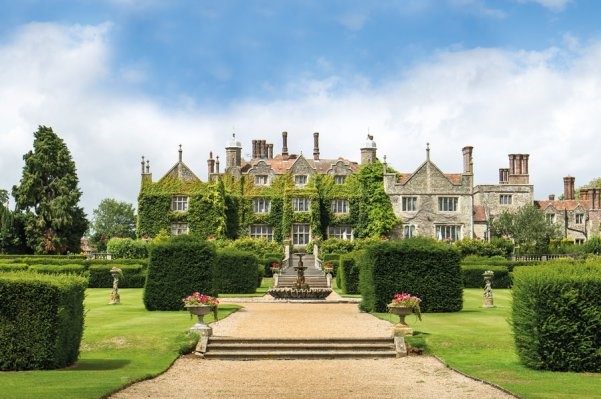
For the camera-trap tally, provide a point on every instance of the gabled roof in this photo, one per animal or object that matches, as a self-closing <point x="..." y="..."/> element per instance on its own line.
<point x="453" y="178"/>
<point x="280" y="165"/>
<point x="180" y="171"/>
<point x="561" y="205"/>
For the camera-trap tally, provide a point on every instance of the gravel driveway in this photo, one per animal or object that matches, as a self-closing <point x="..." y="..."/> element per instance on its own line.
<point x="409" y="377"/>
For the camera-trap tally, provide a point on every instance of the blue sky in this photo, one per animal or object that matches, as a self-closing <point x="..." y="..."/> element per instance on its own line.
<point x="122" y="78"/>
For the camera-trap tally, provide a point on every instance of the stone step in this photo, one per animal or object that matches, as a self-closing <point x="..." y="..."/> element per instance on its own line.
<point x="306" y="354"/>
<point x="299" y="348"/>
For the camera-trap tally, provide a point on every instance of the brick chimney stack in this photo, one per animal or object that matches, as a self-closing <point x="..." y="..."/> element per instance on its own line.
<point x="568" y="187"/>
<point x="285" y="145"/>
<point x="316" y="145"/>
<point x="468" y="162"/>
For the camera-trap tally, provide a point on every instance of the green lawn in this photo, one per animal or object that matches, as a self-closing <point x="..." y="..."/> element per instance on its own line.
<point x="479" y="343"/>
<point x="339" y="291"/>
<point x="121" y="344"/>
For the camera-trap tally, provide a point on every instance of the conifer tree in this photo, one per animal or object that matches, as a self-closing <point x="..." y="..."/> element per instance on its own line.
<point x="49" y="195"/>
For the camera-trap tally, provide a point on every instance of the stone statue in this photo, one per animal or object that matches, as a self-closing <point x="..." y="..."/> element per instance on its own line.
<point x="115" y="297"/>
<point x="488" y="299"/>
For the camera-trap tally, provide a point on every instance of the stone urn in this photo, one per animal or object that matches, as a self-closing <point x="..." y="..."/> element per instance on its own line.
<point x="200" y="311"/>
<point x="401" y="328"/>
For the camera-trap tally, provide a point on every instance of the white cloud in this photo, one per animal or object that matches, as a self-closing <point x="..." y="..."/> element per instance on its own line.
<point x="498" y="101"/>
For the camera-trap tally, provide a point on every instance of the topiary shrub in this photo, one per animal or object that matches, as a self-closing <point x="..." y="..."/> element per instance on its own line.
<point x="348" y="270"/>
<point x="556" y="316"/>
<point x="41" y="320"/>
<point x="423" y="267"/>
<point x="472" y="276"/>
<point x="127" y="248"/>
<point x="134" y="276"/>
<point x="177" y="268"/>
<point x="235" y="272"/>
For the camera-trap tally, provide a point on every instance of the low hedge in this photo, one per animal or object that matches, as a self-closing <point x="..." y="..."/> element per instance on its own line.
<point x="348" y="273"/>
<point x="419" y="266"/>
<point x="127" y="248"/>
<point x="335" y="259"/>
<point x="79" y="270"/>
<point x="556" y="316"/>
<point x="177" y="268"/>
<point x="12" y="267"/>
<point x="134" y="276"/>
<point x="51" y="260"/>
<point x="472" y="276"/>
<point x="266" y="265"/>
<point x="71" y="257"/>
<point x="235" y="272"/>
<point x="41" y="320"/>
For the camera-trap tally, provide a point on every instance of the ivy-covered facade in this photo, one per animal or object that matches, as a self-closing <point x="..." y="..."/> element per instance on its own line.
<point x="285" y="198"/>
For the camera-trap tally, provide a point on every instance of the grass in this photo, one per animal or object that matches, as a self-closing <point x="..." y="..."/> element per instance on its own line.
<point x="261" y="291"/>
<point x="338" y="290"/>
<point x="479" y="342"/>
<point x="121" y="344"/>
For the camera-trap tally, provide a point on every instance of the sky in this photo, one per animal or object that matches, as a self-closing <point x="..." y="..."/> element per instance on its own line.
<point x="118" y="79"/>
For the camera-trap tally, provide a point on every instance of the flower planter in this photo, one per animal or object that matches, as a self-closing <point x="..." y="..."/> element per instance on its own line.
<point x="200" y="311"/>
<point x="401" y="328"/>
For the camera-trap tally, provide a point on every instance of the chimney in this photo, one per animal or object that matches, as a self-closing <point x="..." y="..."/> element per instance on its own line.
<point x="217" y="164"/>
<point x="568" y="187"/>
<point x="525" y="164"/>
<point x="263" y="149"/>
<point x="468" y="162"/>
<point x="211" y="164"/>
<point x="285" y="145"/>
<point x="254" y="149"/>
<point x="583" y="195"/>
<point x="316" y="145"/>
<point x="551" y="197"/>
<point x="270" y="151"/>
<point x="512" y="164"/>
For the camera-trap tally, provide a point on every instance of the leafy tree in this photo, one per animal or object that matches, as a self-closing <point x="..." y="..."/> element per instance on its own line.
<point x="376" y="217"/>
<point x="111" y="219"/>
<point x="6" y="223"/>
<point x="528" y="228"/>
<point x="48" y="195"/>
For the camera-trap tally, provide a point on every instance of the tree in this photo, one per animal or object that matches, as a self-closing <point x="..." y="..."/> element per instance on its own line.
<point x="528" y="228"/>
<point x="48" y="195"/>
<point x="111" y="219"/>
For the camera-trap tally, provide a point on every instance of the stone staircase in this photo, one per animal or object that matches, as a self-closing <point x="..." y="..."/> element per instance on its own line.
<point x="300" y="348"/>
<point x="313" y="276"/>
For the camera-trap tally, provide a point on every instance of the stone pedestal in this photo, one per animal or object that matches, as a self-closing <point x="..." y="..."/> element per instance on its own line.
<point x="200" y="327"/>
<point x="488" y="301"/>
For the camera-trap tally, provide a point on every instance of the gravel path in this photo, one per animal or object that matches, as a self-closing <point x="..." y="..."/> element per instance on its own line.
<point x="409" y="377"/>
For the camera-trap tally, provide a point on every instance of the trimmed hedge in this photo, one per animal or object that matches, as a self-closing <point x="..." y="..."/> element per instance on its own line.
<point x="41" y="320"/>
<point x="266" y="265"/>
<point x="420" y="266"/>
<point x="127" y="248"/>
<point x="134" y="276"/>
<point x="335" y="259"/>
<point x="556" y="316"/>
<point x="348" y="270"/>
<point x="235" y="272"/>
<point x="79" y="270"/>
<point x="177" y="268"/>
<point x="472" y="276"/>
<point x="13" y="267"/>
<point x="72" y="257"/>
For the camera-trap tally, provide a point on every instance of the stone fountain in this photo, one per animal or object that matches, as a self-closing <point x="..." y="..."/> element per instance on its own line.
<point x="300" y="289"/>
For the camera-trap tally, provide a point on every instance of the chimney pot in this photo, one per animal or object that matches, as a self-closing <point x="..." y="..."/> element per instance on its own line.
<point x="316" y="145"/>
<point x="285" y="145"/>
<point x="551" y="197"/>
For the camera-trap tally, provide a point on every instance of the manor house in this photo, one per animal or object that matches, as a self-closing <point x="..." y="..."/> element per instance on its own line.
<point x="428" y="201"/>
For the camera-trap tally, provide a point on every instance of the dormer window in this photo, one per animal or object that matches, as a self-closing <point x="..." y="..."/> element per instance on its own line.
<point x="339" y="179"/>
<point x="300" y="180"/>
<point x="260" y="180"/>
<point x="261" y="205"/>
<point x="179" y="203"/>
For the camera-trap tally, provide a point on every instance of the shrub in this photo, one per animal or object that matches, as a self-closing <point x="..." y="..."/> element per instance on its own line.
<point x="41" y="320"/>
<point x="472" y="276"/>
<point x="235" y="272"/>
<point x="260" y="247"/>
<point x="79" y="270"/>
<point x="72" y="257"/>
<point x="420" y="266"/>
<point x="266" y="265"/>
<point x="12" y="267"/>
<point x="593" y="245"/>
<point x="335" y="259"/>
<point x="469" y="246"/>
<point x="556" y="316"/>
<point x="348" y="270"/>
<point x="127" y="248"/>
<point x="336" y="245"/>
<point x="177" y="268"/>
<point x="134" y="276"/>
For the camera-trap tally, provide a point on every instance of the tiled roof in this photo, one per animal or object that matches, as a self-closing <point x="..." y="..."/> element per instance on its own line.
<point x="561" y="205"/>
<point x="403" y="178"/>
<point x="479" y="213"/>
<point x="281" y="165"/>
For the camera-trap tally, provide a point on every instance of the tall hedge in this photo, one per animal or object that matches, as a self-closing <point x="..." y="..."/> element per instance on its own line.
<point x="178" y="267"/>
<point x="420" y="266"/>
<point x="41" y="320"/>
<point x="348" y="270"/>
<point x="472" y="276"/>
<point x="134" y="276"/>
<point x="556" y="316"/>
<point x="127" y="248"/>
<point x="235" y="272"/>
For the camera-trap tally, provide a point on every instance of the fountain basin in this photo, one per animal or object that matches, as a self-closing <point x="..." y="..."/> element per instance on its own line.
<point x="295" y="293"/>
